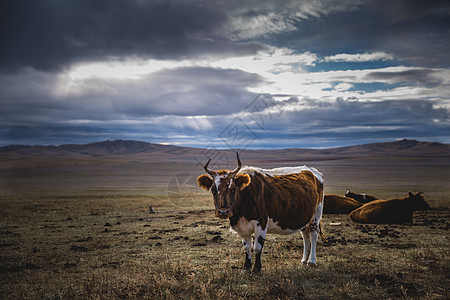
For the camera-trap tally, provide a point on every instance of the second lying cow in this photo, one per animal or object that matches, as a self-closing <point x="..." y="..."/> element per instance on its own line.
<point x="363" y="198"/>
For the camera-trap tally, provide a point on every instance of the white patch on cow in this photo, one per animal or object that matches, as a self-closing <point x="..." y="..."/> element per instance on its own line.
<point x="273" y="227"/>
<point x="217" y="182"/>
<point x="244" y="227"/>
<point x="247" y="245"/>
<point x="259" y="232"/>
<point x="282" y="171"/>
<point x="318" y="212"/>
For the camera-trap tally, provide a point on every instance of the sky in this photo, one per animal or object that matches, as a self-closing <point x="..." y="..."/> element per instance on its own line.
<point x="257" y="74"/>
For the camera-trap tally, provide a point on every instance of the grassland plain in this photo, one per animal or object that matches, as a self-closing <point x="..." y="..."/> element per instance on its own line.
<point x="87" y="233"/>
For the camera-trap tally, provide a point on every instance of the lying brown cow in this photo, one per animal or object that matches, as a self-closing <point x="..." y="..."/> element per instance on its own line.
<point x="395" y="211"/>
<point x="334" y="204"/>
<point x="363" y="198"/>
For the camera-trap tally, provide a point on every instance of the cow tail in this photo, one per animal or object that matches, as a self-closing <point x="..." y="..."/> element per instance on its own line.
<point x="322" y="235"/>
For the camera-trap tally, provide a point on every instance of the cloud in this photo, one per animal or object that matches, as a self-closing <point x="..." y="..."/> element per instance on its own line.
<point x="53" y="35"/>
<point x="424" y="77"/>
<point x="186" y="91"/>
<point x="325" y="124"/>
<point x="50" y="35"/>
<point x="392" y="83"/>
<point x="259" y="19"/>
<point x="418" y="40"/>
<point x="272" y="60"/>
<point x="33" y="97"/>
<point x="365" y="57"/>
<point x="111" y="109"/>
<point x="408" y="10"/>
<point x="279" y="71"/>
<point x="170" y="105"/>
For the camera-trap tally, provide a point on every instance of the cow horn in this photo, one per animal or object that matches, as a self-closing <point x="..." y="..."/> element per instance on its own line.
<point x="210" y="172"/>
<point x="238" y="166"/>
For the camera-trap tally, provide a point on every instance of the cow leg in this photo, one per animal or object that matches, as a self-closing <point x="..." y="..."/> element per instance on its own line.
<point x="314" y="230"/>
<point x="260" y="236"/>
<point x="247" y="244"/>
<point x="312" y="257"/>
<point x="306" y="244"/>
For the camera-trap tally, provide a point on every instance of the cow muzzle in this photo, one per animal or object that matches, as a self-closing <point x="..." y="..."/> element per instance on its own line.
<point x="224" y="213"/>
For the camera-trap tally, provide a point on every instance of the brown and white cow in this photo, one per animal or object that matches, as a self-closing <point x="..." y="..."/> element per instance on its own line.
<point x="334" y="204"/>
<point x="258" y="201"/>
<point x="363" y="198"/>
<point x="394" y="211"/>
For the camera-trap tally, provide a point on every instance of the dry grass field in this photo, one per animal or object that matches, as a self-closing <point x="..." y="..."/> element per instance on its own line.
<point x="85" y="232"/>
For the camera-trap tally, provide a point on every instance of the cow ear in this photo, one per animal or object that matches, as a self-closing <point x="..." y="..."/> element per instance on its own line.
<point x="242" y="181"/>
<point x="204" y="181"/>
<point x="410" y="194"/>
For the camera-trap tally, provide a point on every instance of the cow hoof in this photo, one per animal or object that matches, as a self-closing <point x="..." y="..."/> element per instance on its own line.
<point x="256" y="272"/>
<point x="246" y="271"/>
<point x="304" y="262"/>
<point x="311" y="264"/>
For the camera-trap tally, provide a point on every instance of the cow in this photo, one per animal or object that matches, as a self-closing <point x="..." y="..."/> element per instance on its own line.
<point x="394" y="211"/>
<point x="334" y="204"/>
<point x="258" y="201"/>
<point x="363" y="198"/>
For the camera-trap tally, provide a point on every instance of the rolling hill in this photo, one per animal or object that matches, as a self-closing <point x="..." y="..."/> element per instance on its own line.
<point x="128" y="150"/>
<point x="144" y="168"/>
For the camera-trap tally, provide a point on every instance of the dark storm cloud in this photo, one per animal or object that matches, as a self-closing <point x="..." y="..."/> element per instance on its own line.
<point x="407" y="10"/>
<point x="201" y="91"/>
<point x="313" y="117"/>
<point x="51" y="34"/>
<point x="188" y="91"/>
<point x="422" y="77"/>
<point x="413" y="31"/>
<point x="170" y="105"/>
<point x="40" y="98"/>
<point x="327" y="124"/>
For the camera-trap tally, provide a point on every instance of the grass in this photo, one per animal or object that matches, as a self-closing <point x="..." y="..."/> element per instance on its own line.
<point x="107" y="245"/>
<point x="102" y="247"/>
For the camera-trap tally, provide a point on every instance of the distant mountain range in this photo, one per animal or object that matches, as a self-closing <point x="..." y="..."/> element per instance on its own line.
<point x="129" y="150"/>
